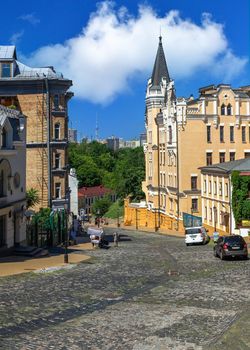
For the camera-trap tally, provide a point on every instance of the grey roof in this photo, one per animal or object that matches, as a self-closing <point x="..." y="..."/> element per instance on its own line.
<point x="240" y="93"/>
<point x="23" y="71"/>
<point x="8" y="113"/>
<point x="160" y="66"/>
<point x="228" y="167"/>
<point x="7" y="52"/>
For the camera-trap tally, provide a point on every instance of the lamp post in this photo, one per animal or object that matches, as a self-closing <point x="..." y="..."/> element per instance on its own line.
<point x="118" y="222"/>
<point x="66" y="210"/>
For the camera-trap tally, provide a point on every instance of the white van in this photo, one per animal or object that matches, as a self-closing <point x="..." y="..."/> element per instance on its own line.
<point x="196" y="235"/>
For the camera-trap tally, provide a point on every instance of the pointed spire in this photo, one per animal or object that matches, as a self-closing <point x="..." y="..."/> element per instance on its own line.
<point x="160" y="67"/>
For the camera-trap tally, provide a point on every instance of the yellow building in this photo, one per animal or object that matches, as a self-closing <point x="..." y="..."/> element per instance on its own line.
<point x="42" y="95"/>
<point x="183" y="135"/>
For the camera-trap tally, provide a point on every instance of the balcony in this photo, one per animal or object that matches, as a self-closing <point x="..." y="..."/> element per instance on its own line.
<point x="59" y="111"/>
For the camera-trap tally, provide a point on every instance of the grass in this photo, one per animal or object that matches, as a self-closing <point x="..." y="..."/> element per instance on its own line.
<point x="114" y="211"/>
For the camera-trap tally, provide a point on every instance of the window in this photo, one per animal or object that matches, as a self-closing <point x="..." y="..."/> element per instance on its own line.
<point x="57" y="161"/>
<point x="4" y="138"/>
<point x="247" y="154"/>
<point x="223" y="109"/>
<point x="221" y="133"/>
<point x="56" y="101"/>
<point x="193" y="182"/>
<point x="57" y="131"/>
<point x="2" y="230"/>
<point x="226" y="190"/>
<point x="220" y="188"/>
<point x="1" y="183"/>
<point x="222" y="157"/>
<point x="194" y="204"/>
<point x="208" y="133"/>
<point x="232" y="156"/>
<point x="58" y="190"/>
<point x="229" y="109"/>
<point x="170" y="136"/>
<point x="205" y="212"/>
<point x="171" y="204"/>
<point x="231" y="133"/>
<point x="210" y="186"/>
<point x="215" y="187"/>
<point x="243" y="133"/>
<point x="6" y="70"/>
<point x="205" y="186"/>
<point x="209" y="158"/>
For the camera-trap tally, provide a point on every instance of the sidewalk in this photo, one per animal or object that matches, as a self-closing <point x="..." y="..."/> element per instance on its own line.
<point x="14" y="265"/>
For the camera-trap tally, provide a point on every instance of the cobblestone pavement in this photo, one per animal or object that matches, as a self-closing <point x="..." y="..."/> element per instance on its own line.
<point x="150" y="293"/>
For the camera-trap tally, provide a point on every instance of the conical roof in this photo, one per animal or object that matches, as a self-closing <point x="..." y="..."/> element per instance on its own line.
<point x="160" y="67"/>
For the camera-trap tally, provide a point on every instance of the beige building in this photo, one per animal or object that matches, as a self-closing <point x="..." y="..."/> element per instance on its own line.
<point x="216" y="194"/>
<point x="12" y="179"/>
<point x="42" y="95"/>
<point x="183" y="135"/>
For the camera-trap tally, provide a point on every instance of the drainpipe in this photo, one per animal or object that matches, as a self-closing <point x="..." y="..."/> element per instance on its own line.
<point x="48" y="139"/>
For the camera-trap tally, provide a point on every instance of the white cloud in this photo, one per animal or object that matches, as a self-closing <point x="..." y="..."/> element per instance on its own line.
<point x="15" y="38"/>
<point x="116" y="46"/>
<point x="31" y="18"/>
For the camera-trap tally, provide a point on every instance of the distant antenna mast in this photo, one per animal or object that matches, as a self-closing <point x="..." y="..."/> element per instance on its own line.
<point x="96" y="129"/>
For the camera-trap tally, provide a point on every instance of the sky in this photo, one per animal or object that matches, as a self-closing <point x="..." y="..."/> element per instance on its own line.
<point x="108" y="49"/>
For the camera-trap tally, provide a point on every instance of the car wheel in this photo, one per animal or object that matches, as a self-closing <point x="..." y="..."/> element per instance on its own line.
<point x="187" y="244"/>
<point x="245" y="257"/>
<point x="221" y="255"/>
<point x="215" y="254"/>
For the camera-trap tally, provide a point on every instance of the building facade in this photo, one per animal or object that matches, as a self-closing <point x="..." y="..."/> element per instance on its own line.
<point x="216" y="194"/>
<point x="184" y="134"/>
<point x="42" y="95"/>
<point x="72" y="135"/>
<point x="12" y="179"/>
<point x="73" y="186"/>
<point x="88" y="195"/>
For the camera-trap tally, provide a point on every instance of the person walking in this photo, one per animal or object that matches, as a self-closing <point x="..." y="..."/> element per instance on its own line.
<point x="116" y="238"/>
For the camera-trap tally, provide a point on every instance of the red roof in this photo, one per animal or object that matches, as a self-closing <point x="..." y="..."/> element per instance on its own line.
<point x="93" y="191"/>
<point x="245" y="173"/>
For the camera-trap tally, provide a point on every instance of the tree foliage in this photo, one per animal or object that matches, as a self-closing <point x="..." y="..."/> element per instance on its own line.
<point x="240" y="195"/>
<point x="32" y="197"/>
<point x="123" y="170"/>
<point x="101" y="206"/>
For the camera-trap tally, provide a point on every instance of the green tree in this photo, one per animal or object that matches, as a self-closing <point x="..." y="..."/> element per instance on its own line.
<point x="240" y="201"/>
<point x="32" y="197"/>
<point x="101" y="206"/>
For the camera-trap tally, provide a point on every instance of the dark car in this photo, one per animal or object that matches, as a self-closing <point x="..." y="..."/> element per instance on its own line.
<point x="230" y="246"/>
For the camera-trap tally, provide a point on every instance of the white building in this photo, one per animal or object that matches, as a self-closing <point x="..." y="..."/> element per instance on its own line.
<point x="73" y="185"/>
<point x="12" y="179"/>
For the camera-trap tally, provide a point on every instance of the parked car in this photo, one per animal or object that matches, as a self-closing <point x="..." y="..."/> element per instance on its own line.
<point x="196" y="235"/>
<point x="232" y="246"/>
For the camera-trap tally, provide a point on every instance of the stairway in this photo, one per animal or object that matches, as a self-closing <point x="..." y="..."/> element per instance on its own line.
<point x="30" y="251"/>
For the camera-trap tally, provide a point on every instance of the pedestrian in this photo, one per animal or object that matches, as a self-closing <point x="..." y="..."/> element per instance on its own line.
<point x="116" y="238"/>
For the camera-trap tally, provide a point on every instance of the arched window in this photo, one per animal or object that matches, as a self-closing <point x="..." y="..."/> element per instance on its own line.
<point x="57" y="161"/>
<point x="57" y="131"/>
<point x="229" y="109"/>
<point x="1" y="183"/>
<point x="223" y="109"/>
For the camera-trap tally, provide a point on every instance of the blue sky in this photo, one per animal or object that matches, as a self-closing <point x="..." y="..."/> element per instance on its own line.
<point x="108" y="49"/>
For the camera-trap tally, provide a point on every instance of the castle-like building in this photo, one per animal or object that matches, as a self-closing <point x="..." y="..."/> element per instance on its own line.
<point x="184" y="134"/>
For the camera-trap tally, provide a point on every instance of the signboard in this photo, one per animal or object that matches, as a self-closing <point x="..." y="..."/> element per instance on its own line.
<point x="245" y="223"/>
<point x="191" y="220"/>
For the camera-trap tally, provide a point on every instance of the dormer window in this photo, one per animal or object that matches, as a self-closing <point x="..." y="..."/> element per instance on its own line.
<point x="6" y="70"/>
<point x="56" y="101"/>
<point x="229" y="109"/>
<point x="223" y="109"/>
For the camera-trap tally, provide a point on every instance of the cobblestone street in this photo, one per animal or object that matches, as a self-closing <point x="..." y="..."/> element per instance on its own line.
<point x="150" y="293"/>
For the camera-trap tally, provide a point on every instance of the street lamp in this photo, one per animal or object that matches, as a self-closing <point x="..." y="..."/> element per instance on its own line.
<point x="118" y="222"/>
<point x="66" y="210"/>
